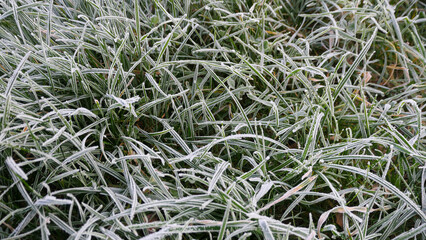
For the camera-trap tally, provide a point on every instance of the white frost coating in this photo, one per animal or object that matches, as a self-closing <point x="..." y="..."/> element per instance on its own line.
<point x="50" y="200"/>
<point x="15" y="168"/>
<point x="70" y="112"/>
<point x="55" y="137"/>
<point x="124" y="102"/>
<point x="239" y="126"/>
<point x="84" y="112"/>
<point x="263" y="190"/>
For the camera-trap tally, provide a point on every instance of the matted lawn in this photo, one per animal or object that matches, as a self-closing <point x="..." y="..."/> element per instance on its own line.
<point x="204" y="119"/>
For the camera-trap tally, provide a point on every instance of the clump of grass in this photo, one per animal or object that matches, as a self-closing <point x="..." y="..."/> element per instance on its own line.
<point x="212" y="119"/>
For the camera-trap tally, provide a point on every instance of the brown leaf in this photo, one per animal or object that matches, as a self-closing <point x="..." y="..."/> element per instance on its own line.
<point x="339" y="219"/>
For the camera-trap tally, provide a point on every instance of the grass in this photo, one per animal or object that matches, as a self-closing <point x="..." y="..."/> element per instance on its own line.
<point x="209" y="119"/>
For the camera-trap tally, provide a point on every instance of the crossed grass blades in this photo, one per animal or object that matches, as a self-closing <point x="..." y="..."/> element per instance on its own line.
<point x="243" y="119"/>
